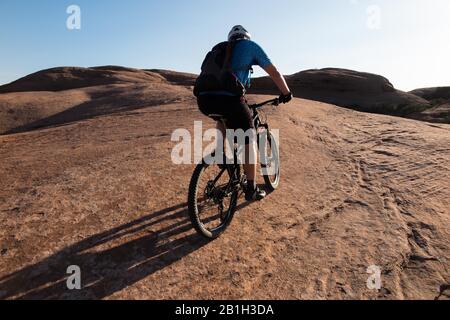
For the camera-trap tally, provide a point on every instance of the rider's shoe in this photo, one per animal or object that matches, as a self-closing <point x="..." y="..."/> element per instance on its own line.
<point x="255" y="194"/>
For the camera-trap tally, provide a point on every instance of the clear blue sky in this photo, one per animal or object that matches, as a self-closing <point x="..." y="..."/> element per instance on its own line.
<point x="408" y="44"/>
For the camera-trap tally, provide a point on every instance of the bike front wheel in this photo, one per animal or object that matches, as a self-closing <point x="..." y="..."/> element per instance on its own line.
<point x="270" y="160"/>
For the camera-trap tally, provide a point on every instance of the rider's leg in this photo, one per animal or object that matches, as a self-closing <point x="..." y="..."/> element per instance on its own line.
<point x="239" y="115"/>
<point x="250" y="164"/>
<point x="243" y="118"/>
<point x="251" y="154"/>
<point x="222" y="129"/>
<point x="252" y="192"/>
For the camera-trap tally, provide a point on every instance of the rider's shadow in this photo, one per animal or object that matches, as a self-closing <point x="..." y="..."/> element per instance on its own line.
<point x="109" y="261"/>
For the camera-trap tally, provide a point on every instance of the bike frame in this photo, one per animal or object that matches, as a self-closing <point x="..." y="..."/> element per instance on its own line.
<point x="230" y="188"/>
<point x="258" y="124"/>
<point x="256" y="118"/>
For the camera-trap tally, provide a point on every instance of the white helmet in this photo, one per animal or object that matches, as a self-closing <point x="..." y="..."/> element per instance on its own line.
<point x="239" y="32"/>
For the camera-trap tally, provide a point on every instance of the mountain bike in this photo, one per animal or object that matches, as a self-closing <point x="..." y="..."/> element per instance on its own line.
<point x="215" y="188"/>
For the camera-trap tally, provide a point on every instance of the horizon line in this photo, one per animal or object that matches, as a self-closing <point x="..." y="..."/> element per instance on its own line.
<point x="2" y="84"/>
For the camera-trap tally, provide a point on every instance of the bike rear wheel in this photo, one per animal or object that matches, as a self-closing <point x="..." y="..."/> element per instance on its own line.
<point x="212" y="200"/>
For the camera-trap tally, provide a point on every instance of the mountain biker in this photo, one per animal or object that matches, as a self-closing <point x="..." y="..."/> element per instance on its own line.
<point x="241" y="54"/>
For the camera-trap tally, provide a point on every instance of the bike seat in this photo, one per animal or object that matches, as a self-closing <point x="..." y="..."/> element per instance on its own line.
<point x="217" y="117"/>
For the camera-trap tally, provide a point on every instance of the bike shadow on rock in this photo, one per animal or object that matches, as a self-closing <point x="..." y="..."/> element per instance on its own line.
<point x="109" y="261"/>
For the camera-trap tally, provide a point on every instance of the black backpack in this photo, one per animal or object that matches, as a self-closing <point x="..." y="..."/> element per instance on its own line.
<point x="216" y="72"/>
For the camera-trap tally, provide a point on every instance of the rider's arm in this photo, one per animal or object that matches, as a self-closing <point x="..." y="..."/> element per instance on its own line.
<point x="261" y="59"/>
<point x="278" y="78"/>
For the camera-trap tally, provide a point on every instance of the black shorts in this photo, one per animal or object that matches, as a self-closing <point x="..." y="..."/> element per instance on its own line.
<point x="234" y="109"/>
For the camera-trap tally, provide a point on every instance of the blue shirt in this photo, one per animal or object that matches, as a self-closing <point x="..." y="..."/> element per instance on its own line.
<point x="246" y="54"/>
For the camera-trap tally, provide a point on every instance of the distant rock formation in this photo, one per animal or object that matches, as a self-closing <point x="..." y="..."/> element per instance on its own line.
<point x="66" y="78"/>
<point x="346" y="88"/>
<point x="63" y="95"/>
<point x="439" y="98"/>
<point x="433" y="94"/>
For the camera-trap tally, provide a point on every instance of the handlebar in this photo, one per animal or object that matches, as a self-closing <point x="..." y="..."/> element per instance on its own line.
<point x="274" y="102"/>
